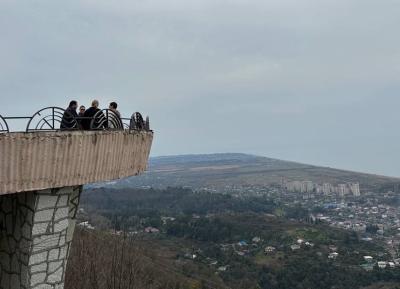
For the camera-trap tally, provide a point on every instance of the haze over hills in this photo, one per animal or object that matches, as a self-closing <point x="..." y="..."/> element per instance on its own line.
<point x="236" y="169"/>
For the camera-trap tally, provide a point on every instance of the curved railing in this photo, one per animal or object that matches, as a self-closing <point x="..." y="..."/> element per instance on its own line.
<point x="3" y="125"/>
<point x="56" y="118"/>
<point x="106" y="119"/>
<point x="51" y="118"/>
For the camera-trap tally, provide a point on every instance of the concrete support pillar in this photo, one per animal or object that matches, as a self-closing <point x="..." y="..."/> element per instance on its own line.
<point x="36" y="233"/>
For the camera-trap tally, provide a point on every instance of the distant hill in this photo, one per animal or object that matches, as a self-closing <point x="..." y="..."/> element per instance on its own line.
<point x="218" y="170"/>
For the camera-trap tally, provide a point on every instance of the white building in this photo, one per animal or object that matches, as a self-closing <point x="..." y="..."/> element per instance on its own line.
<point x="269" y="249"/>
<point x="295" y="247"/>
<point x="341" y="190"/>
<point x="297" y="186"/>
<point x="369" y="259"/>
<point x="333" y="255"/>
<point x="355" y="189"/>
<point x="382" y="264"/>
<point x="391" y="264"/>
<point x="327" y="188"/>
<point x="310" y="186"/>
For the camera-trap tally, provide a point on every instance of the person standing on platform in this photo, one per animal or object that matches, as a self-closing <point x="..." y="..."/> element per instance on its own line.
<point x="93" y="111"/>
<point x="68" y="120"/>
<point x="82" y="110"/>
<point x="113" y="107"/>
<point x="114" y="118"/>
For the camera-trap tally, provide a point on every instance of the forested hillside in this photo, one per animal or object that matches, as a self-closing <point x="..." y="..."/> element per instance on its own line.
<point x="203" y="238"/>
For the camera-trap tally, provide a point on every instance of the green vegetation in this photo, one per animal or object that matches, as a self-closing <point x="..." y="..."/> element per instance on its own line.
<point x="203" y="238"/>
<point x="132" y="207"/>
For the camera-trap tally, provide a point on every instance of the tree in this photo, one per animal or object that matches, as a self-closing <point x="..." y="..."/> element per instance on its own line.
<point x="194" y="285"/>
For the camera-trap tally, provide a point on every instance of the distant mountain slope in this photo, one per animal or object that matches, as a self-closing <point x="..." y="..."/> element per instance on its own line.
<point x="206" y="158"/>
<point x="227" y="169"/>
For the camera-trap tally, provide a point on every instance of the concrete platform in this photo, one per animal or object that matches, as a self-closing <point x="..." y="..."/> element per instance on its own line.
<point x="41" y="160"/>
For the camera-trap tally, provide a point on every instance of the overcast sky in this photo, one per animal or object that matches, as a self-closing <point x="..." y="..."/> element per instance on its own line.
<point x="309" y="81"/>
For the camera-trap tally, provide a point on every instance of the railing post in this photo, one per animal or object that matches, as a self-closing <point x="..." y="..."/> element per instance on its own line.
<point x="53" y="118"/>
<point x="147" y="127"/>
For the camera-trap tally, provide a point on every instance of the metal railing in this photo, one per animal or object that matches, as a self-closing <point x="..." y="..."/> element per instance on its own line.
<point x="3" y="125"/>
<point x="56" y="118"/>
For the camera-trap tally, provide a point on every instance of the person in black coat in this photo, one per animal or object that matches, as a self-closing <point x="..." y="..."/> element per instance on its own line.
<point x="68" y="119"/>
<point x="100" y="120"/>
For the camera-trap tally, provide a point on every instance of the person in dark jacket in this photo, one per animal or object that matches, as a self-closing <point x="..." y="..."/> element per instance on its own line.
<point x="82" y="110"/>
<point x="93" y="111"/>
<point x="68" y="120"/>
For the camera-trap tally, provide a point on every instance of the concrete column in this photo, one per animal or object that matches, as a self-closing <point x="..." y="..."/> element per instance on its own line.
<point x="36" y="233"/>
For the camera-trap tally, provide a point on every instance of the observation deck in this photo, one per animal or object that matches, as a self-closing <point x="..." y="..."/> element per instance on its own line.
<point x="45" y="156"/>
<point x="42" y="175"/>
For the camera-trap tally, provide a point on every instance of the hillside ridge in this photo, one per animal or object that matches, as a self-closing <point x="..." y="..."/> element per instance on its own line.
<point x="201" y="171"/>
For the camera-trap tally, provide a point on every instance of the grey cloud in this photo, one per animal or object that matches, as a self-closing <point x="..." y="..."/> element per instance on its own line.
<point x="312" y="81"/>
